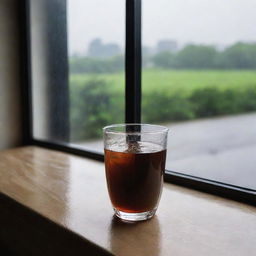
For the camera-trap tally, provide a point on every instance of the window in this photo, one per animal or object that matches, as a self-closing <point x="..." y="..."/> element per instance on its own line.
<point x="96" y="68"/>
<point x="85" y="73"/>
<point x="77" y="69"/>
<point x="199" y="79"/>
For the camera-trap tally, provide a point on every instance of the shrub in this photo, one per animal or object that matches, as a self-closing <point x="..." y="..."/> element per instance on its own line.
<point x="209" y="102"/>
<point x="206" y="102"/>
<point x="247" y="100"/>
<point x="81" y="65"/>
<point x="92" y="107"/>
<point x="160" y="107"/>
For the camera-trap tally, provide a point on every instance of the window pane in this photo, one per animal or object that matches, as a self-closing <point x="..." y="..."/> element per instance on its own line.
<point x="199" y="79"/>
<point x="77" y="69"/>
<point x="96" y="33"/>
<point x="50" y="104"/>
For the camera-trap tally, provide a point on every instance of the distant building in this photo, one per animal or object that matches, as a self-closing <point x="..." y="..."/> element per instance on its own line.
<point x="167" y="45"/>
<point x="97" y="49"/>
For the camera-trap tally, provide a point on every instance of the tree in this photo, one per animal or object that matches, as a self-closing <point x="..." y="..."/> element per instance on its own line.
<point x="238" y="56"/>
<point x="91" y="109"/>
<point x="196" y="57"/>
<point x="163" y="60"/>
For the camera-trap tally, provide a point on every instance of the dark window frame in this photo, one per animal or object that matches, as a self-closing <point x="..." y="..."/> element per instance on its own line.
<point x="132" y="104"/>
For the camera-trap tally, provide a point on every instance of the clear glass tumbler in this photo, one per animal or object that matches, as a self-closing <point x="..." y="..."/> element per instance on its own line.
<point x="135" y="162"/>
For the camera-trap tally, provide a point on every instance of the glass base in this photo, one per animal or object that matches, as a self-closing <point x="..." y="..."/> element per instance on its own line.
<point x="131" y="217"/>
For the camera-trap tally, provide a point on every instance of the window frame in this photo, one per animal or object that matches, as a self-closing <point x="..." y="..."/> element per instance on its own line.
<point x="133" y="71"/>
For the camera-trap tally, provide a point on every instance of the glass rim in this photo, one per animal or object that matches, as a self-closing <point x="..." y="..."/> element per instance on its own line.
<point x="161" y="128"/>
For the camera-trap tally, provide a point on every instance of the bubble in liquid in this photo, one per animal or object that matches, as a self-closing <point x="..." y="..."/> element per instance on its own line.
<point x="137" y="147"/>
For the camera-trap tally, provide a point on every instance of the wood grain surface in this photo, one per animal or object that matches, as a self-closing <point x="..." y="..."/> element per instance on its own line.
<point x="42" y="190"/>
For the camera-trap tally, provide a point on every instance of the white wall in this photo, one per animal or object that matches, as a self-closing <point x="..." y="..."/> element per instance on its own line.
<point x="10" y="102"/>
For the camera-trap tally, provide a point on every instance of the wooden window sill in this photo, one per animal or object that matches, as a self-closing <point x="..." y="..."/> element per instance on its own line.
<point x="53" y="203"/>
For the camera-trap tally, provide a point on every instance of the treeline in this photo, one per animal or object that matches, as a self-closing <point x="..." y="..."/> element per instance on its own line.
<point x="80" y="65"/>
<point x="237" y="56"/>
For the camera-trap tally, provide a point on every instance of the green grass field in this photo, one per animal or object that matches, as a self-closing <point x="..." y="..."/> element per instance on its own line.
<point x="172" y="81"/>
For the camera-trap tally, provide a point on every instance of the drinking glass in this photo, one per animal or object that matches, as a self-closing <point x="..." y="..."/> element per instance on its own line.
<point x="134" y="163"/>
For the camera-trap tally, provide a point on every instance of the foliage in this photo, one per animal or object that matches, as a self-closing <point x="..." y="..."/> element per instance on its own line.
<point x="163" y="60"/>
<point x="96" y="102"/>
<point x="80" y="65"/>
<point x="238" y="56"/>
<point x="158" y="106"/>
<point x="211" y="101"/>
<point x="195" y="57"/>
<point x="92" y="107"/>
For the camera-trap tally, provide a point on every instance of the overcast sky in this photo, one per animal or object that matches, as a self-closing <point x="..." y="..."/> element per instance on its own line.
<point x="219" y="22"/>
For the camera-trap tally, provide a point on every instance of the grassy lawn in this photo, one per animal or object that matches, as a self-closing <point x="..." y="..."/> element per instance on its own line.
<point x="171" y="81"/>
<point x="188" y="81"/>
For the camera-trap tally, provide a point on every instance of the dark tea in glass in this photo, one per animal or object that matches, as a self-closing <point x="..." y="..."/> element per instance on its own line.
<point x="134" y="169"/>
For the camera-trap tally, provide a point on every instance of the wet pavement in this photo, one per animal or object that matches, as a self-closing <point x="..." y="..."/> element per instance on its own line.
<point x="222" y="149"/>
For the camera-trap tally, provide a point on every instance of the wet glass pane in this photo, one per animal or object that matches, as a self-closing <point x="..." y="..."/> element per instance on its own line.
<point x="77" y="57"/>
<point x="199" y="79"/>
